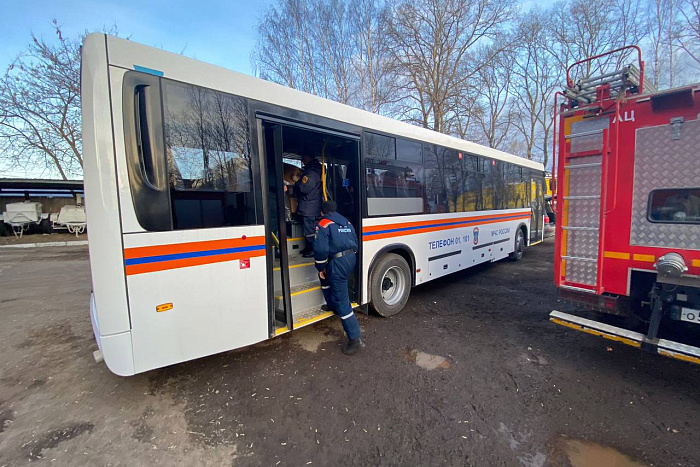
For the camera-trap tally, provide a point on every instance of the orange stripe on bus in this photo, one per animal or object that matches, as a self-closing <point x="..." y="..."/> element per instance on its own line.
<point x="403" y="225"/>
<point x="175" y="248"/>
<point x="435" y="229"/>
<point x="188" y="262"/>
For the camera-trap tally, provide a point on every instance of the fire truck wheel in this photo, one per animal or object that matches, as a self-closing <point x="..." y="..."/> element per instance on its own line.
<point x="390" y="285"/>
<point x="517" y="254"/>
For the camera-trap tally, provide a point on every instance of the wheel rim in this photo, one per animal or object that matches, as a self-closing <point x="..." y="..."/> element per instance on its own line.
<point x="519" y="243"/>
<point x="393" y="285"/>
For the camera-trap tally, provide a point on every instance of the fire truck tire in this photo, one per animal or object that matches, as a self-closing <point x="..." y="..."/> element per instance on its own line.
<point x="519" y="249"/>
<point x="390" y="285"/>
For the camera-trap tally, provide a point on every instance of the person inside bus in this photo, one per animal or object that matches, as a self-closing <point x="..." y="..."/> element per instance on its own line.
<point x="334" y="252"/>
<point x="308" y="190"/>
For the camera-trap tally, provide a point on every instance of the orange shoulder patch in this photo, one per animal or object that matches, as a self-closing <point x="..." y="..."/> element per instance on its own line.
<point x="325" y="223"/>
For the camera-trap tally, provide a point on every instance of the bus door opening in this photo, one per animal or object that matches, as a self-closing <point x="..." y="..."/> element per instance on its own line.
<point x="297" y="298"/>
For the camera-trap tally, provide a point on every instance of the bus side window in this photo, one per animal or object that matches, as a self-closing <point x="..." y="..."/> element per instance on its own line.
<point x="143" y="137"/>
<point x="393" y="175"/>
<point x="208" y="154"/>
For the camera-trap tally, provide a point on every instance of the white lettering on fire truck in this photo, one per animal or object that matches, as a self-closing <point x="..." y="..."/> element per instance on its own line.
<point x="628" y="116"/>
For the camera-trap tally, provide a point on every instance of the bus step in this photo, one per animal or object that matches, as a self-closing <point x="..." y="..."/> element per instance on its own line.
<point x="302" y="272"/>
<point x="310" y="316"/>
<point x="295" y="244"/>
<point x="304" y="297"/>
<point x="668" y="348"/>
<point x="307" y="296"/>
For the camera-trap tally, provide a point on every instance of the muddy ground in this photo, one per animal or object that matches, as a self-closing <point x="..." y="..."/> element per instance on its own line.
<point x="470" y="373"/>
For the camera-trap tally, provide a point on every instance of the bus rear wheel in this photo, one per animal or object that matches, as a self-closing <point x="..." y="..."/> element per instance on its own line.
<point x="390" y="285"/>
<point x="519" y="250"/>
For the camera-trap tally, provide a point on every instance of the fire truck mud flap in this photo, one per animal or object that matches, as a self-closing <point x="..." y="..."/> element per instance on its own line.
<point x="664" y="347"/>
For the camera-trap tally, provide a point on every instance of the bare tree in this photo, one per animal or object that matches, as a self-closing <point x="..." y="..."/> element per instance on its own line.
<point x="377" y="84"/>
<point x="585" y="28"/>
<point x="40" y="108"/>
<point x="663" y="28"/>
<point x="536" y="77"/>
<point x="433" y="43"/>
<point x="689" y="39"/>
<point x="284" y="52"/>
<point x="494" y="112"/>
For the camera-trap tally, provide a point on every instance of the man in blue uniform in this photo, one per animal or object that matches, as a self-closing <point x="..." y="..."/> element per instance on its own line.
<point x="334" y="252"/>
<point x="308" y="190"/>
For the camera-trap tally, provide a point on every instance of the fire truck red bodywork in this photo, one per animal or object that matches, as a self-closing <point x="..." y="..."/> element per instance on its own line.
<point x="628" y="210"/>
<point x="619" y="256"/>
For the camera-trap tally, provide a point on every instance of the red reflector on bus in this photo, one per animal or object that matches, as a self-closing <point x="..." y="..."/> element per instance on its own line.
<point x="245" y="263"/>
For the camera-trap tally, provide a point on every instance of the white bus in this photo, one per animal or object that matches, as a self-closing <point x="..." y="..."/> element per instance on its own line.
<point x="193" y="247"/>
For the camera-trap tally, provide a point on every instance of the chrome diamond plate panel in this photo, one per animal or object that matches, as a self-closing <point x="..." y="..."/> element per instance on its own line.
<point x="583" y="213"/>
<point x="582" y="244"/>
<point x="661" y="162"/>
<point x="592" y="142"/>
<point x="584" y="181"/>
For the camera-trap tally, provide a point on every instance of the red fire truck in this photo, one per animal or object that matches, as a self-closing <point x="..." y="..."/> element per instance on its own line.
<point x="628" y="209"/>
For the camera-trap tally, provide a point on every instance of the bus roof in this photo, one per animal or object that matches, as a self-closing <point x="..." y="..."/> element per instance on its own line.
<point x="133" y="56"/>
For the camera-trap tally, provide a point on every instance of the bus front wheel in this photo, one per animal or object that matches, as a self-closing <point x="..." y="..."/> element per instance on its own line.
<point x="390" y="284"/>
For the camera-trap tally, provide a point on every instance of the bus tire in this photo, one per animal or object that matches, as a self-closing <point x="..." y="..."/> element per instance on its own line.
<point x="519" y="248"/>
<point x="390" y="285"/>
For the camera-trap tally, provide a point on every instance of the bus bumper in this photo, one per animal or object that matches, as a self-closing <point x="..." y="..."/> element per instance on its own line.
<point x="115" y="349"/>
<point x="664" y="347"/>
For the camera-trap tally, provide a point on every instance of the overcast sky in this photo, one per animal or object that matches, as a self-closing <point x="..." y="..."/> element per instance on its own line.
<point x="216" y="31"/>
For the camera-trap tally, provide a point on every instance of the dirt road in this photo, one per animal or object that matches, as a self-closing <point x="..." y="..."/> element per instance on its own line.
<point x="470" y="373"/>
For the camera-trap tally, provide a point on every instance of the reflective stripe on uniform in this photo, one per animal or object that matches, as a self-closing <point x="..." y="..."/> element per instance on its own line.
<point x="346" y="316"/>
<point x="322" y="261"/>
<point x="324" y="287"/>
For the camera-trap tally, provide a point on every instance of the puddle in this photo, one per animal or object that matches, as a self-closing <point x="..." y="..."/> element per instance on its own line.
<point x="585" y="453"/>
<point x="426" y="361"/>
<point x="312" y="338"/>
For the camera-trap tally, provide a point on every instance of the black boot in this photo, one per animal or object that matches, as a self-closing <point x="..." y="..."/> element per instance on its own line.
<point x="352" y="346"/>
<point x="327" y="308"/>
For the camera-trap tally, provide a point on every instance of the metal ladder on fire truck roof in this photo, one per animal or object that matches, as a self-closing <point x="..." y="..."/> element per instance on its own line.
<point x="616" y="83"/>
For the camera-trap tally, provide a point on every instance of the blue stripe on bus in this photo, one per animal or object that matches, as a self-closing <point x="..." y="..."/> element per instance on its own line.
<point x="193" y="254"/>
<point x="150" y="71"/>
<point x="428" y="226"/>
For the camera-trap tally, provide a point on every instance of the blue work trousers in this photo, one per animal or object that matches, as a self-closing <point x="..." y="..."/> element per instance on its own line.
<point x="309" y="224"/>
<point x="335" y="291"/>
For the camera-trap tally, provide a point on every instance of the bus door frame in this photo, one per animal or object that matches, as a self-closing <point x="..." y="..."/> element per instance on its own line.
<point x="322" y="126"/>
